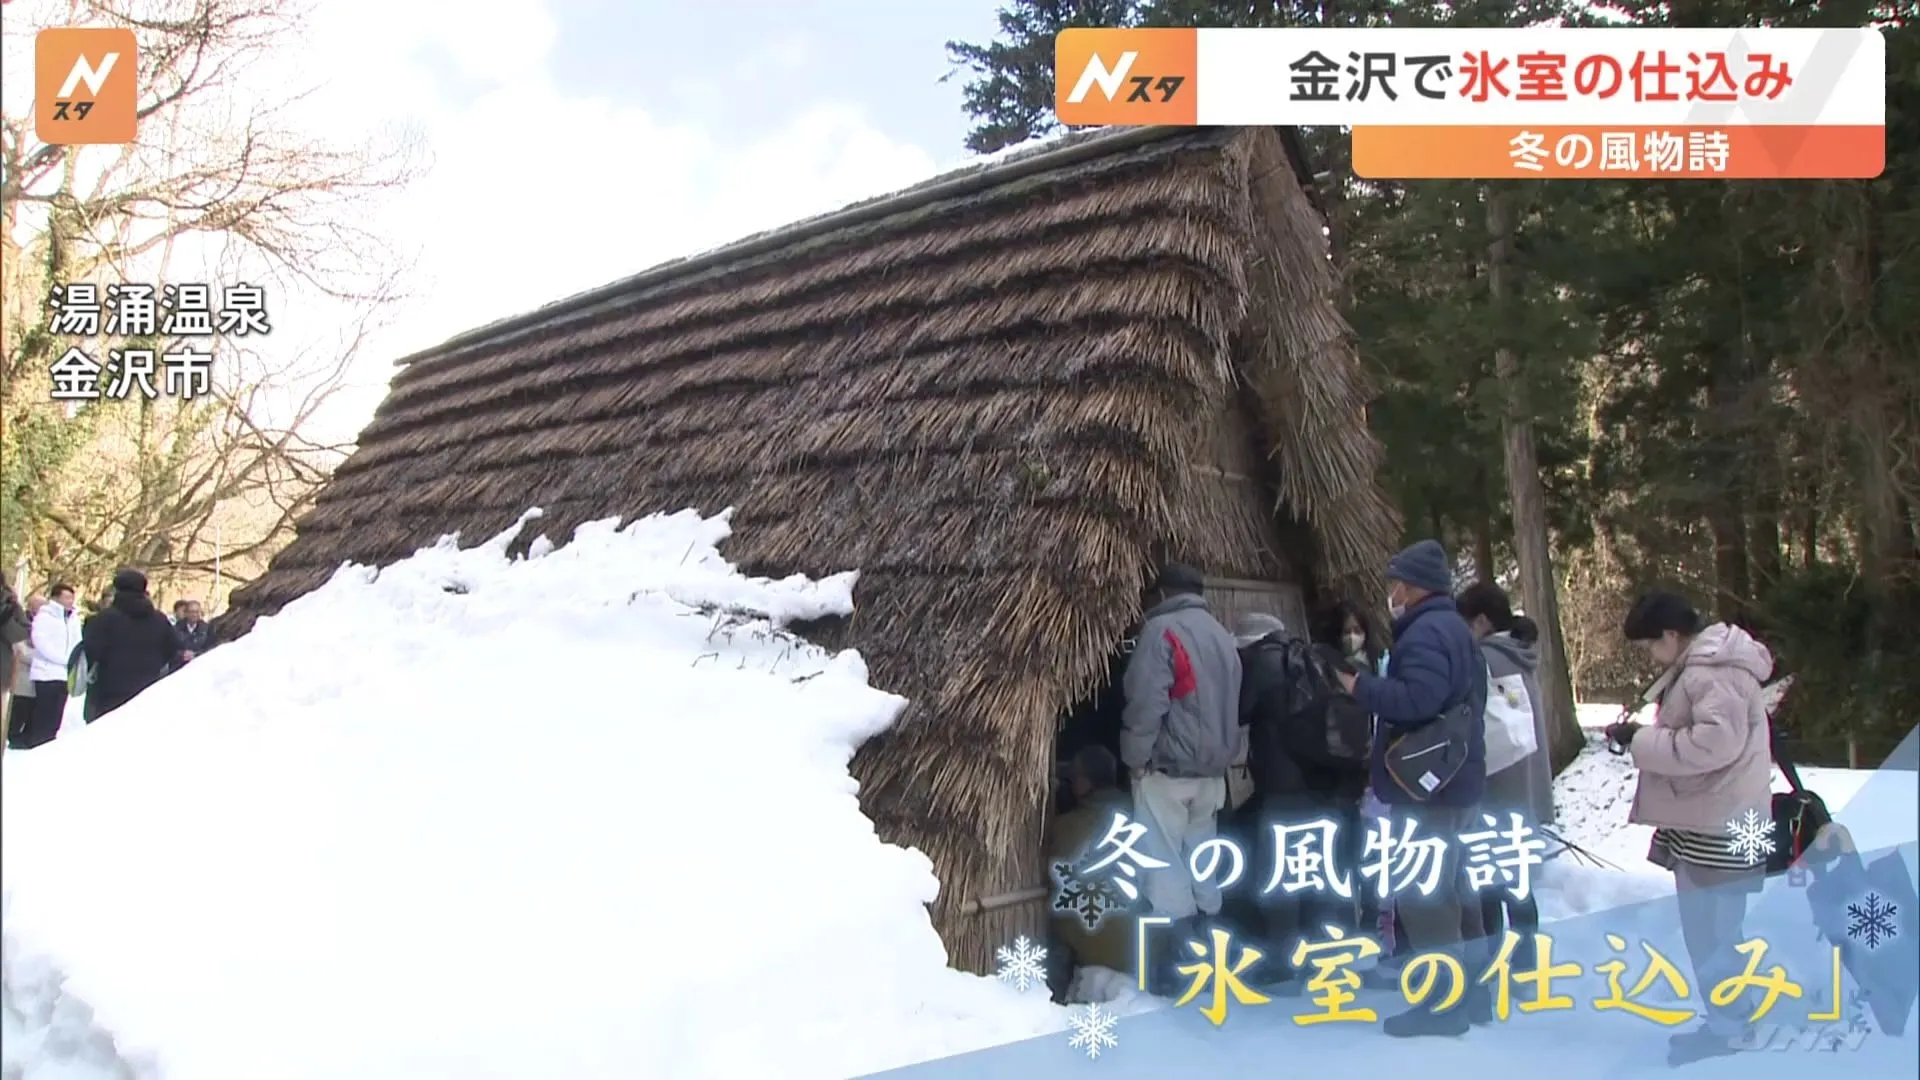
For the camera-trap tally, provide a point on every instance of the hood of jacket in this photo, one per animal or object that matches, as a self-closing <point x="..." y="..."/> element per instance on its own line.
<point x="136" y="604"/>
<point x="1523" y="657"/>
<point x="1724" y="645"/>
<point x="1278" y="639"/>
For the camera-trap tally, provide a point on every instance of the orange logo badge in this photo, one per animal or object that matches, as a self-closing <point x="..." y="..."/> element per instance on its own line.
<point x="84" y="85"/>
<point x="1125" y="77"/>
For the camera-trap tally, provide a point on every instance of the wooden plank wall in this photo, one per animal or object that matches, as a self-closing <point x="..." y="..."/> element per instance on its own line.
<point x="1231" y="598"/>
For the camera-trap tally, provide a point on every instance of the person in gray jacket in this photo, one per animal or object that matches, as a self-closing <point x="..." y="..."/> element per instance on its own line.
<point x="1179" y="733"/>
<point x="1524" y="787"/>
<point x="1510" y="644"/>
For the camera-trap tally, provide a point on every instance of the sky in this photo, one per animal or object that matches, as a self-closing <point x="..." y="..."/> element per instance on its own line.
<point x="567" y="143"/>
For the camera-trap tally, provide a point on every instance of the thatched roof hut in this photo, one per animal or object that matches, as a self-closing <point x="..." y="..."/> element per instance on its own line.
<point x="1003" y="395"/>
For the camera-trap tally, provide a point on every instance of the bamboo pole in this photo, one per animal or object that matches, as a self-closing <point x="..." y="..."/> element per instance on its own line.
<point x="1004" y="900"/>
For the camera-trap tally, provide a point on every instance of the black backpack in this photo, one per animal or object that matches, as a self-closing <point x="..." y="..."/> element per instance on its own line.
<point x="1317" y="703"/>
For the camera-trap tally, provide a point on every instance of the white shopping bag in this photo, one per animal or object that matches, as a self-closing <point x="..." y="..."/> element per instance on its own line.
<point x="1510" y="734"/>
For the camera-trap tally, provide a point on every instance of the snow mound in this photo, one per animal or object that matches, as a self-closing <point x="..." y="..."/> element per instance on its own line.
<point x="582" y="814"/>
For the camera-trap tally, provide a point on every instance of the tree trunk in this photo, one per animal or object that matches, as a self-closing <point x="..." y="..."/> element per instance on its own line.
<point x="1529" y="497"/>
<point x="1731" y="588"/>
<point x="1728" y="426"/>
<point x="1810" y="535"/>
<point x="1764" y="540"/>
<point x="1483" y="533"/>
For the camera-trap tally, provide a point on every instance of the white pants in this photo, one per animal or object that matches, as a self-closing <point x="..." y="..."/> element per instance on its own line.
<point x="1179" y="813"/>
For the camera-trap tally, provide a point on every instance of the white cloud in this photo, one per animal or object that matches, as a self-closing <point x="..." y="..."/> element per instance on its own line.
<point x="533" y="194"/>
<point x="530" y="194"/>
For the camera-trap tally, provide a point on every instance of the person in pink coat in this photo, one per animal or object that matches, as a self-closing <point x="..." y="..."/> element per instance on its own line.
<point x="1704" y="765"/>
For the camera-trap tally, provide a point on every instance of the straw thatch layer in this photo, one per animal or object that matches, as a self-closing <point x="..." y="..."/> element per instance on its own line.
<point x="1001" y="398"/>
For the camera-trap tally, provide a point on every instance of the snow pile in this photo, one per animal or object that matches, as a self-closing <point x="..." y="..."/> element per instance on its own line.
<point x="584" y="814"/>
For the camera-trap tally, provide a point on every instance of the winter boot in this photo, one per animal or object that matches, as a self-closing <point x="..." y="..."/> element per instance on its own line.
<point x="1421" y="1020"/>
<point x="1700" y="1044"/>
<point x="1478" y="1005"/>
<point x="1381" y="976"/>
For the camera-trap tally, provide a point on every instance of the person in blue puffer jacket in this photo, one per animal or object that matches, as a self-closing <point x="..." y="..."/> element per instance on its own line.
<point x="1436" y="665"/>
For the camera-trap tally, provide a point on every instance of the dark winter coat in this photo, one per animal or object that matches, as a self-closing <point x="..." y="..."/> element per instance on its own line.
<point x="194" y="637"/>
<point x="1280" y="752"/>
<point x="129" y="645"/>
<point x="14" y="629"/>
<point x="1435" y="664"/>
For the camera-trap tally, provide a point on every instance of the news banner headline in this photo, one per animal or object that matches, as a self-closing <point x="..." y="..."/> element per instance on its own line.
<point x="1489" y="104"/>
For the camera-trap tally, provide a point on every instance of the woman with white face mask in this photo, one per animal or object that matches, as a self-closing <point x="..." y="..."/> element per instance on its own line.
<point x="1345" y="628"/>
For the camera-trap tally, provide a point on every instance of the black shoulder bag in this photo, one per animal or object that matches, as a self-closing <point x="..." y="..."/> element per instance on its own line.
<point x="1798" y="814"/>
<point x="1424" y="758"/>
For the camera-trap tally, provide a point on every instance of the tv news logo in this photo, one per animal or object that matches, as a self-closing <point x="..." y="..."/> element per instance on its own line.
<point x="1125" y="77"/>
<point x="83" y="85"/>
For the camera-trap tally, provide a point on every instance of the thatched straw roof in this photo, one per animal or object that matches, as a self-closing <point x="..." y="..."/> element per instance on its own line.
<point x="983" y="392"/>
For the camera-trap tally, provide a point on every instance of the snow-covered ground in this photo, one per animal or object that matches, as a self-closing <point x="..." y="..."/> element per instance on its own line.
<point x="581" y="815"/>
<point x="585" y="814"/>
<point x="1593" y="796"/>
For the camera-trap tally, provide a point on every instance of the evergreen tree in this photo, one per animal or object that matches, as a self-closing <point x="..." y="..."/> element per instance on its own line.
<point x="1010" y="95"/>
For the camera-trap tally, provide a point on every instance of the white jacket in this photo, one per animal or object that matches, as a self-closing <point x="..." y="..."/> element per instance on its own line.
<point x="56" y="632"/>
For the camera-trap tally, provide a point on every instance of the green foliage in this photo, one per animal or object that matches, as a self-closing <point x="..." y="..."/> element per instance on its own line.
<point x="1010" y="95"/>
<point x="1820" y="617"/>
<point x="37" y="442"/>
<point x="1824" y="623"/>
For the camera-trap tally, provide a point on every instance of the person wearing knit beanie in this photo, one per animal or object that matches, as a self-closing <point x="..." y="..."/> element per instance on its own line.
<point x="1423" y="569"/>
<point x="1436" y="670"/>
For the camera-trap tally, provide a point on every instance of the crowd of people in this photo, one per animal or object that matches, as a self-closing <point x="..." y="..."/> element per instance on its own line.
<point x="54" y="653"/>
<point x="1225" y="733"/>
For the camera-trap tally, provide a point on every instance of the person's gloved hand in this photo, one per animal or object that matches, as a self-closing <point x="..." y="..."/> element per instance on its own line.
<point x="1621" y="734"/>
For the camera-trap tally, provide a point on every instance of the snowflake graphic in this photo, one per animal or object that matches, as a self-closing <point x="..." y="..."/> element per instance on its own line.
<point x="1023" y="965"/>
<point x="1093" y="1029"/>
<point x="1871" y="921"/>
<point x="1752" y="837"/>
<point x="1092" y="901"/>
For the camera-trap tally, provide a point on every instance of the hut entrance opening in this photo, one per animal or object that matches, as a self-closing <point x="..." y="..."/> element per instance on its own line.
<point x="1094" y="720"/>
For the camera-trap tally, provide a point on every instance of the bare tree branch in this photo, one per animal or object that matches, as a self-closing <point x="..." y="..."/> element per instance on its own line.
<point x="186" y="487"/>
